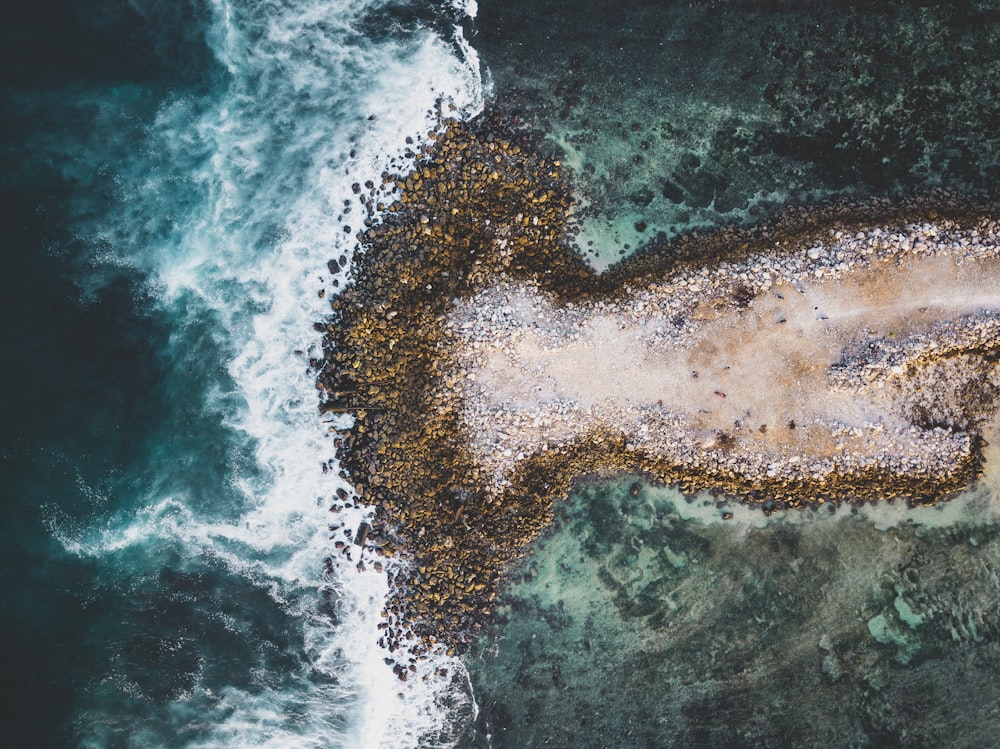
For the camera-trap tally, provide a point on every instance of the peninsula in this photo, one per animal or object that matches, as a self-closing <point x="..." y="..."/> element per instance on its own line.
<point x="846" y="352"/>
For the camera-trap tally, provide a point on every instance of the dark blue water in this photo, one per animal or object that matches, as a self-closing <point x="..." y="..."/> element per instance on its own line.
<point x="85" y="369"/>
<point x="173" y="182"/>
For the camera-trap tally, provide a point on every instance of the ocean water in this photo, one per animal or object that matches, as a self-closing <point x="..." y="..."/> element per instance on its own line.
<point x="685" y="114"/>
<point x="175" y="179"/>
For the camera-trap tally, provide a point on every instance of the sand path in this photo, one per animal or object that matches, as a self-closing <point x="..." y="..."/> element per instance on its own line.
<point x="683" y="364"/>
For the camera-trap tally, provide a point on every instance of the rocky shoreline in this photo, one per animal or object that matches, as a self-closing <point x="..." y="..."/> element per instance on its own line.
<point x="477" y="233"/>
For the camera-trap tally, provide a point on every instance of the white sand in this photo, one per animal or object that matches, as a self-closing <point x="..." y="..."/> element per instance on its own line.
<point x="681" y="368"/>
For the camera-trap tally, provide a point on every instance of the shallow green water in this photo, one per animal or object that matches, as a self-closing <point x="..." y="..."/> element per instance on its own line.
<point x="644" y="620"/>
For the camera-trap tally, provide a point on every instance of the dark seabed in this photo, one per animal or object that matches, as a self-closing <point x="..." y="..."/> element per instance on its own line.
<point x="685" y="114"/>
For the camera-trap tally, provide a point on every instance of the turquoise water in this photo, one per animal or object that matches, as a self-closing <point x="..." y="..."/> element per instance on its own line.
<point x="175" y="179"/>
<point x="644" y="620"/>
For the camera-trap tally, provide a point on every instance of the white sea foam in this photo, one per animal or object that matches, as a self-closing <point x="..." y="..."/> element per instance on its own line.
<point x="243" y="194"/>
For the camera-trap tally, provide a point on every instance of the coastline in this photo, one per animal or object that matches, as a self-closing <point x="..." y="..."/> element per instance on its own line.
<point x="484" y="211"/>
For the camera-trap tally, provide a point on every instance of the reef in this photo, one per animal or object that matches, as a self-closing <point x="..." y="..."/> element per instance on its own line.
<point x="813" y="359"/>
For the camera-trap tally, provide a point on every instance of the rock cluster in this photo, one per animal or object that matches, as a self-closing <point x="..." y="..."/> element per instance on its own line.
<point x="483" y="211"/>
<point x="429" y="240"/>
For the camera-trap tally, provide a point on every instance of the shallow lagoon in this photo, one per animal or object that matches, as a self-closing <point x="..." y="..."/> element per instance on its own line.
<point x="646" y="620"/>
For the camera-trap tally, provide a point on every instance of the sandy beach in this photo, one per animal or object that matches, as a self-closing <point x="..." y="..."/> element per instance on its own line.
<point x="860" y="351"/>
